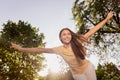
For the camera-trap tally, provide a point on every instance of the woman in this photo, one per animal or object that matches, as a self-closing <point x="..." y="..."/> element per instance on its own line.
<point x="72" y="51"/>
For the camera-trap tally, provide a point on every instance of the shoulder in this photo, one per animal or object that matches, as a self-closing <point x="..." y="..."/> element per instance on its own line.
<point x="57" y="49"/>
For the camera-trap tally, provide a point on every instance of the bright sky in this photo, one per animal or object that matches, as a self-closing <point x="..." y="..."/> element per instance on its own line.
<point x="50" y="16"/>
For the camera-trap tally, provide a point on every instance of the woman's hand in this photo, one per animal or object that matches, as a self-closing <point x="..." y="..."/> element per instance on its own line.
<point x="15" y="46"/>
<point x="110" y="15"/>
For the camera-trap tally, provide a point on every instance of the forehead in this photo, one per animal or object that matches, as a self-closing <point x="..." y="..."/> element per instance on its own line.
<point x="65" y="31"/>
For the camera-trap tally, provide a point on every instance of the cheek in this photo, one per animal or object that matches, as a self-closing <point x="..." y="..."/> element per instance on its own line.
<point x="70" y="37"/>
<point x="62" y="39"/>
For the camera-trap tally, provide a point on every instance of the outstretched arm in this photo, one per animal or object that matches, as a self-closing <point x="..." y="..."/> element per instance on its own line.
<point x="98" y="26"/>
<point x="32" y="50"/>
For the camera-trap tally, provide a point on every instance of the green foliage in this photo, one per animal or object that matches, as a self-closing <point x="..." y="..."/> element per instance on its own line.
<point x="108" y="71"/>
<point x="88" y="13"/>
<point x="15" y="65"/>
<point x="22" y="33"/>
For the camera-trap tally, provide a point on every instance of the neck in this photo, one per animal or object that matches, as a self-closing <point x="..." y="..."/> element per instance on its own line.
<point x="67" y="45"/>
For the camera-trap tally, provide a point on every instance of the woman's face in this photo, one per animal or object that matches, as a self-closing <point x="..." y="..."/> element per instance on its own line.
<point x="65" y="37"/>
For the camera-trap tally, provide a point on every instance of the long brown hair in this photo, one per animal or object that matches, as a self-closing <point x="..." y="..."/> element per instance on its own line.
<point x="76" y="44"/>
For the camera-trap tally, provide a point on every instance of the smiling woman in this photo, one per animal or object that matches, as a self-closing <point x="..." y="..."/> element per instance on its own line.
<point x="72" y="51"/>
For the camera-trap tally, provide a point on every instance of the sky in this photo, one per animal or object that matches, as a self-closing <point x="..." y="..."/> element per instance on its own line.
<point x="49" y="16"/>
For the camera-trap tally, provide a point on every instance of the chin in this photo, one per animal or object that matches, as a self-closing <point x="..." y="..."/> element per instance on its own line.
<point x="66" y="42"/>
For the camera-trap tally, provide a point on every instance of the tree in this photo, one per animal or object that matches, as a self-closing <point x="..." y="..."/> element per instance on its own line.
<point x="90" y="12"/>
<point x="87" y="13"/>
<point x="15" y="65"/>
<point x="108" y="71"/>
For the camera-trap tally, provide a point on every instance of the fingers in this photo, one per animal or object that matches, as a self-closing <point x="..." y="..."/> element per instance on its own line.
<point x="13" y="45"/>
<point x="110" y="15"/>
